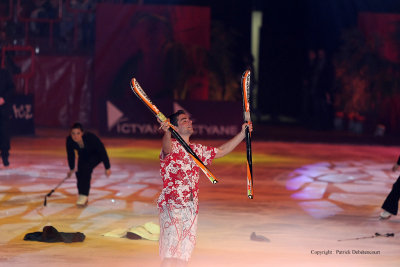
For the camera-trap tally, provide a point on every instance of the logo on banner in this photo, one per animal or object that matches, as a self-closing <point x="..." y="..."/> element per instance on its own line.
<point x="124" y="125"/>
<point x="121" y="124"/>
<point x="22" y="115"/>
<point x="22" y="111"/>
<point x="113" y="115"/>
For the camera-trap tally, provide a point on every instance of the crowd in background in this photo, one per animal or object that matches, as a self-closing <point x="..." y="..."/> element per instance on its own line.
<point x="51" y="25"/>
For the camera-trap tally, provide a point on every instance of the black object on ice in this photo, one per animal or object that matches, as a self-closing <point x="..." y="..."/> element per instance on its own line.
<point x="259" y="238"/>
<point x="51" y="235"/>
<point x="372" y="236"/>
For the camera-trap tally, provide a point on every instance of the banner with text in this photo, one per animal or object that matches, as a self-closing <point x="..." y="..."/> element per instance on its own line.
<point x="22" y="119"/>
<point x="210" y="119"/>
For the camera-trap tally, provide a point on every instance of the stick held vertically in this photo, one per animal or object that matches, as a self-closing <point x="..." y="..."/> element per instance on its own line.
<point x="247" y="119"/>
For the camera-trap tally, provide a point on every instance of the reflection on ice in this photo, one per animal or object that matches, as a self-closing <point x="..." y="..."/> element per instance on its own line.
<point x="102" y="181"/>
<point x="143" y="208"/>
<point x="358" y="183"/>
<point x="342" y="177"/>
<point x="27" y="198"/>
<point x="320" y="209"/>
<point x="107" y="221"/>
<point x="102" y="206"/>
<point x="10" y="231"/>
<point x="363" y="188"/>
<point x="127" y="189"/>
<point x="149" y="193"/>
<point x="147" y="174"/>
<point x="42" y="212"/>
<point x="314" y="190"/>
<point x="313" y="172"/>
<point x="109" y="203"/>
<point x="34" y="188"/>
<point x="12" y="211"/>
<point x="380" y="166"/>
<point x="4" y="187"/>
<point x="297" y="182"/>
<point x="157" y="180"/>
<point x="357" y="199"/>
<point x="382" y="174"/>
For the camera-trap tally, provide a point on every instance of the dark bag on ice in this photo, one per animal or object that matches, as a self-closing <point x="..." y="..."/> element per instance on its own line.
<point x="51" y="235"/>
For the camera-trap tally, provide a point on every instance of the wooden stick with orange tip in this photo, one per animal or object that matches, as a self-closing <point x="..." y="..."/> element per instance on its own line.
<point x="146" y="100"/>
<point x="247" y="119"/>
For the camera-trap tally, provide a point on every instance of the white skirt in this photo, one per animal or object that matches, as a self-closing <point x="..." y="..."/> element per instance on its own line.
<point x="177" y="232"/>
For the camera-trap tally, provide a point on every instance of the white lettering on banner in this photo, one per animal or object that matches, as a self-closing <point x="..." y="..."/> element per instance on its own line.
<point x="220" y="130"/>
<point x="153" y="129"/>
<point x="23" y="111"/>
<point x="133" y="128"/>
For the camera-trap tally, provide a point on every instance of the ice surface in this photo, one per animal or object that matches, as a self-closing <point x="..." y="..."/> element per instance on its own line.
<point x="301" y="205"/>
<point x="312" y="191"/>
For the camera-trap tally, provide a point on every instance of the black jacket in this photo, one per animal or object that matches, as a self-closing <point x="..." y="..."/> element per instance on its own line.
<point x="93" y="150"/>
<point x="6" y="91"/>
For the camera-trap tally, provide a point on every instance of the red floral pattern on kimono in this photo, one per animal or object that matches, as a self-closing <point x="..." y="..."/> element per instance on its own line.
<point x="180" y="175"/>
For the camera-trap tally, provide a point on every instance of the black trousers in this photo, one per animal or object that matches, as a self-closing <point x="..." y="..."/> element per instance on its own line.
<point x="391" y="203"/>
<point x="84" y="174"/>
<point x="4" y="137"/>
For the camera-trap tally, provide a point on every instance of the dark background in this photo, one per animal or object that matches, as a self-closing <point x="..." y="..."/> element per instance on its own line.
<point x="291" y="31"/>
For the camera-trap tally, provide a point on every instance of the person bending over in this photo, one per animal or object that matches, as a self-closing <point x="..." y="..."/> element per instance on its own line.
<point x="91" y="152"/>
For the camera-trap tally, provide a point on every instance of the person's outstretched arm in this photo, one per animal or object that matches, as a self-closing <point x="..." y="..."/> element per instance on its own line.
<point x="234" y="142"/>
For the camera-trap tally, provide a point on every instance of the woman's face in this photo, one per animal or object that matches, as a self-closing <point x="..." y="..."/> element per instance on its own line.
<point x="76" y="135"/>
